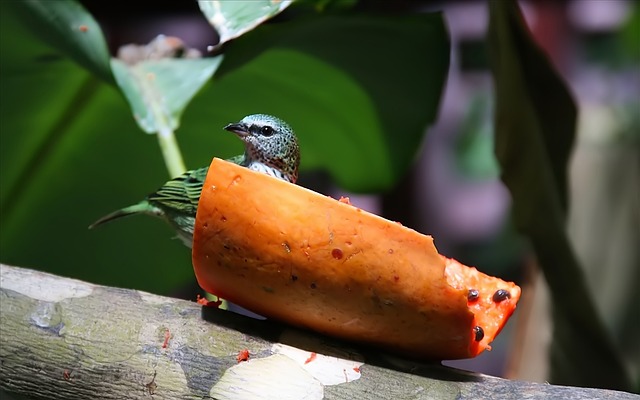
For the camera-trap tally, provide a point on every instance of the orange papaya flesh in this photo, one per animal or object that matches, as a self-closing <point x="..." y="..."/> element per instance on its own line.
<point x="291" y="254"/>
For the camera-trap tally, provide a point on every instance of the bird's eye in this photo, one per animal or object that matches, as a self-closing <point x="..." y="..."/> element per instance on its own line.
<point x="266" y="131"/>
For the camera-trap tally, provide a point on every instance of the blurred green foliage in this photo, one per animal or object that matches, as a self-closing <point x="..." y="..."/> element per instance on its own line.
<point x="535" y="125"/>
<point x="630" y="34"/>
<point x="474" y="144"/>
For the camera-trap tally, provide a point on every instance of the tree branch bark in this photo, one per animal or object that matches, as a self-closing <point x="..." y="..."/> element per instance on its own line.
<point x="62" y="338"/>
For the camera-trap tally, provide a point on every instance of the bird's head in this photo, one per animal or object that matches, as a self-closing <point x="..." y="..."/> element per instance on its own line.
<point x="269" y="141"/>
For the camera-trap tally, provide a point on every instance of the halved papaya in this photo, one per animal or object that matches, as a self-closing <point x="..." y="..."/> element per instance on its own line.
<point x="291" y="254"/>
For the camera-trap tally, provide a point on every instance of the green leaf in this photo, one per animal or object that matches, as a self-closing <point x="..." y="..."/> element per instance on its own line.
<point x="159" y="90"/>
<point x="233" y="18"/>
<point x="66" y="25"/>
<point x="360" y="91"/>
<point x="475" y="158"/>
<point x="630" y="34"/>
<point x="535" y="122"/>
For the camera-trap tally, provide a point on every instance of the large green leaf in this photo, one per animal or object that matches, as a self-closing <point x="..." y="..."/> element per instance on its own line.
<point x="70" y="151"/>
<point x="535" y="124"/>
<point x="67" y="25"/>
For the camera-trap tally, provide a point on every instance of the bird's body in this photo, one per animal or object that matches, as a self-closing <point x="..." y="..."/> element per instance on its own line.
<point x="271" y="147"/>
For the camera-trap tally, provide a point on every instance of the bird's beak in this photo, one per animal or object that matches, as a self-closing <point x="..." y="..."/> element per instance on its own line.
<point x="238" y="128"/>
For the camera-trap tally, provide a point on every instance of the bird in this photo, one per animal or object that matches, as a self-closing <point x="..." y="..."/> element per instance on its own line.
<point x="270" y="147"/>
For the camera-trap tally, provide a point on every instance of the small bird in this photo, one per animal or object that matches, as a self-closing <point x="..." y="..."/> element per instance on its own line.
<point x="270" y="147"/>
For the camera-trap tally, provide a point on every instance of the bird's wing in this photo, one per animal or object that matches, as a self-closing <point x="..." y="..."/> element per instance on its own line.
<point x="239" y="159"/>
<point x="182" y="193"/>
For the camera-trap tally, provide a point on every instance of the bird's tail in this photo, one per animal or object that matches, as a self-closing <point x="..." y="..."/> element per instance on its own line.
<point x="141" y="208"/>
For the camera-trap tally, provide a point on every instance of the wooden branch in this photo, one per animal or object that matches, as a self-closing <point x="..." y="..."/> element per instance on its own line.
<point x="66" y="339"/>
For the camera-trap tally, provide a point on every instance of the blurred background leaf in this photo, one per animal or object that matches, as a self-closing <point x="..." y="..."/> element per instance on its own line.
<point x="474" y="146"/>
<point x="233" y="18"/>
<point x="630" y="35"/>
<point x="535" y="122"/>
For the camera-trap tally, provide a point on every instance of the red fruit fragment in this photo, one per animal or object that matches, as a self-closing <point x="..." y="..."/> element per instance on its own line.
<point x="312" y="357"/>
<point x="243" y="355"/>
<point x="167" y="336"/>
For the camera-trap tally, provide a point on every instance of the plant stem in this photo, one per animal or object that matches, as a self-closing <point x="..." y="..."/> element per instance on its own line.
<point x="170" y="151"/>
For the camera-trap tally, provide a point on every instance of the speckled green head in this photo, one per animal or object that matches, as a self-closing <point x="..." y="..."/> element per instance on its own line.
<point x="271" y="146"/>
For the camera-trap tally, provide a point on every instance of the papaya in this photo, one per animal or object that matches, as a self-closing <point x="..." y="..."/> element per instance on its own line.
<point x="294" y="255"/>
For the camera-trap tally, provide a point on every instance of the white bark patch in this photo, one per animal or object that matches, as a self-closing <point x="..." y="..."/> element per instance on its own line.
<point x="46" y="315"/>
<point x="276" y="377"/>
<point x="329" y="370"/>
<point x="42" y="286"/>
